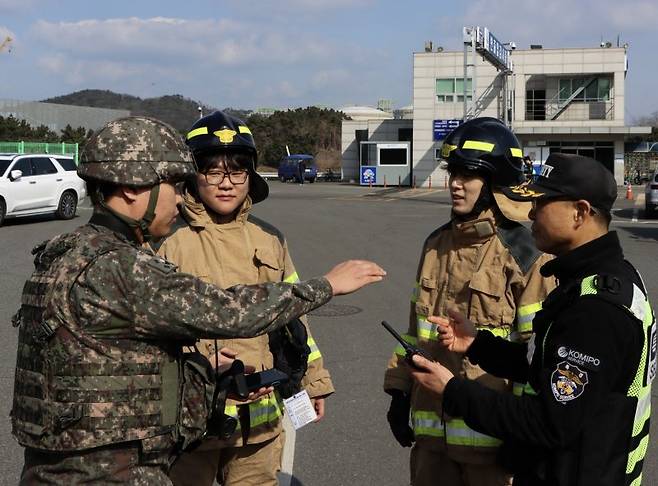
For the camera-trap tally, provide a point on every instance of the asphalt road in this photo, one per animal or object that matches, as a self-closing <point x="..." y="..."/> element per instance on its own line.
<point x="326" y="223"/>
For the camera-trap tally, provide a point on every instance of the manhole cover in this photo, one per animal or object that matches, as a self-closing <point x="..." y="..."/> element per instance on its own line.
<point x="335" y="310"/>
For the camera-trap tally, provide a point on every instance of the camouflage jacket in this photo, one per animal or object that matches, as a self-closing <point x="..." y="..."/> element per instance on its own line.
<point x="102" y="325"/>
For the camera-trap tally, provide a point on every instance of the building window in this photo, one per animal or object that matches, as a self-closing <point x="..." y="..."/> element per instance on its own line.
<point x="604" y="152"/>
<point x="597" y="90"/>
<point x="535" y="104"/>
<point x="393" y="156"/>
<point x="362" y="136"/>
<point x="405" y="134"/>
<point x="451" y="90"/>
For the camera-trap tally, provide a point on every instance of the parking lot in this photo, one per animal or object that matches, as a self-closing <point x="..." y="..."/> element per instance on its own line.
<point x="326" y="223"/>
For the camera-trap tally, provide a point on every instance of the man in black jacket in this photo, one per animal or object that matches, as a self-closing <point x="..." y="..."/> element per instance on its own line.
<point x="583" y="418"/>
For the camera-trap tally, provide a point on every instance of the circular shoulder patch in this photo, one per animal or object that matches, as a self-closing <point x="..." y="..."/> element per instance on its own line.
<point x="568" y="382"/>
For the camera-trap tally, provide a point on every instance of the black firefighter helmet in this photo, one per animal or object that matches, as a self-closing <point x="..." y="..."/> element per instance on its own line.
<point x="221" y="133"/>
<point x="488" y="148"/>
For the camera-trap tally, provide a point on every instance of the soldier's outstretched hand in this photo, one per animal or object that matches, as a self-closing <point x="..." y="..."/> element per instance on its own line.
<point x="456" y="332"/>
<point x="346" y="277"/>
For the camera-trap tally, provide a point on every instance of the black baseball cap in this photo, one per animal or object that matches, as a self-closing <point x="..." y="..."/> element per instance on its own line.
<point x="572" y="177"/>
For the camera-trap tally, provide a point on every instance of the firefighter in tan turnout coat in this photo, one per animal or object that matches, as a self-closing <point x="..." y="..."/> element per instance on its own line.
<point x="224" y="245"/>
<point x="484" y="264"/>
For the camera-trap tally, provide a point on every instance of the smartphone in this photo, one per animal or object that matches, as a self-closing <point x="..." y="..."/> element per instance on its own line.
<point x="409" y="349"/>
<point x="265" y="379"/>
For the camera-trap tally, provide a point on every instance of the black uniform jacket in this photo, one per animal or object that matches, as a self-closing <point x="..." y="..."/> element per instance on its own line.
<point x="583" y="357"/>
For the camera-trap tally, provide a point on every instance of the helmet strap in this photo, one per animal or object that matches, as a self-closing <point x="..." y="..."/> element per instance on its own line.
<point x="485" y="200"/>
<point x="142" y="224"/>
<point x="149" y="215"/>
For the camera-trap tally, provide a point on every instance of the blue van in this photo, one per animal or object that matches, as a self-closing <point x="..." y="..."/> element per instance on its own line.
<point x="289" y="167"/>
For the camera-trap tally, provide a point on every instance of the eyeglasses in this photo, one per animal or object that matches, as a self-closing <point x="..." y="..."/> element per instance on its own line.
<point x="216" y="177"/>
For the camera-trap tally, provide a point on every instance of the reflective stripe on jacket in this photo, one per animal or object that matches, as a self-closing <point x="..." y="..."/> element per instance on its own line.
<point x="244" y="251"/>
<point x="474" y="267"/>
<point x="640" y="389"/>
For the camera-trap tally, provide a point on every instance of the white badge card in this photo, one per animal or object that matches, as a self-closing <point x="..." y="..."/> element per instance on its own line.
<point x="300" y="409"/>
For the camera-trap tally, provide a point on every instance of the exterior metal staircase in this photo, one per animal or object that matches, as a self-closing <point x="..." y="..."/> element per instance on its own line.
<point x="561" y="106"/>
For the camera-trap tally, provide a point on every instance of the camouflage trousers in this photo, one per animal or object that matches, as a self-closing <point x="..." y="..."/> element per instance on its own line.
<point x="116" y="464"/>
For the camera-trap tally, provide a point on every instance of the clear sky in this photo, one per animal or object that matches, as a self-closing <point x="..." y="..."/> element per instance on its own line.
<point x="290" y="53"/>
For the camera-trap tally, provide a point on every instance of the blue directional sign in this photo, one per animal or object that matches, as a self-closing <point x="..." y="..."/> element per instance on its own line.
<point x="441" y="128"/>
<point x="368" y="174"/>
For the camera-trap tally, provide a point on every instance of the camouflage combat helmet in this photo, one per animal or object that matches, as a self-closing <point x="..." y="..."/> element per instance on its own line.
<point x="220" y="132"/>
<point x="135" y="151"/>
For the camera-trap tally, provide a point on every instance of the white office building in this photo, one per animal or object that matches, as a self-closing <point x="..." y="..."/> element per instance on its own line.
<point x="568" y="100"/>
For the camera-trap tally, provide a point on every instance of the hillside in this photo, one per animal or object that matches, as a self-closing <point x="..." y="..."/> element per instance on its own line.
<point x="178" y="111"/>
<point x="309" y="130"/>
<point x="304" y="130"/>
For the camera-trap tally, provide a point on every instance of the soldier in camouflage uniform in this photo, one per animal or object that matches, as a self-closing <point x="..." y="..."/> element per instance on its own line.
<point x="101" y="391"/>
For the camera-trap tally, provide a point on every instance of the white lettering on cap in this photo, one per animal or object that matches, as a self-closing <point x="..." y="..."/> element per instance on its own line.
<point x="546" y="170"/>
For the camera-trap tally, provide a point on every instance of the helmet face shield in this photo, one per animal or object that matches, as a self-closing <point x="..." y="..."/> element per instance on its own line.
<point x="467" y="169"/>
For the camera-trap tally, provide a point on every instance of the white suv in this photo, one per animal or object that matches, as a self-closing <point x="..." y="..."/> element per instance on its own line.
<point x="39" y="183"/>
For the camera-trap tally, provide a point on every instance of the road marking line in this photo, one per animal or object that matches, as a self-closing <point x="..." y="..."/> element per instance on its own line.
<point x="288" y="456"/>
<point x="418" y="194"/>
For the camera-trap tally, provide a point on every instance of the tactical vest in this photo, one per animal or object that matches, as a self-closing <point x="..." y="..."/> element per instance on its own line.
<point x="73" y="391"/>
<point x="638" y="306"/>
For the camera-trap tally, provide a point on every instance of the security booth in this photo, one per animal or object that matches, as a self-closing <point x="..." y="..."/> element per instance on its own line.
<point x="385" y="163"/>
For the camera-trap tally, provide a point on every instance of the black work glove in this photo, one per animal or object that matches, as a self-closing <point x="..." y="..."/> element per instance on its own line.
<point x="398" y="418"/>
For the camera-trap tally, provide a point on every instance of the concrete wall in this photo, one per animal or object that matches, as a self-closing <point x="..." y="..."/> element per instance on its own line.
<point x="378" y="131"/>
<point x="428" y="67"/>
<point x="556" y="63"/>
<point x="532" y="69"/>
<point x="56" y="117"/>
